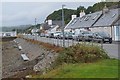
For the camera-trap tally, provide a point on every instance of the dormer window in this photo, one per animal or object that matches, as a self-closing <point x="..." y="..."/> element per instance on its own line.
<point x="73" y="22"/>
<point x="113" y="15"/>
<point x="86" y="18"/>
<point x="94" y="17"/>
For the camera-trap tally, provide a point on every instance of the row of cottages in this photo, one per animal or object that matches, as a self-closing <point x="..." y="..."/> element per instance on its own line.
<point x="107" y="20"/>
<point x="8" y="34"/>
<point x="50" y="26"/>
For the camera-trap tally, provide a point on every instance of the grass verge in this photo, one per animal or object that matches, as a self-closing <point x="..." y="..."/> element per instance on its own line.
<point x="106" y="68"/>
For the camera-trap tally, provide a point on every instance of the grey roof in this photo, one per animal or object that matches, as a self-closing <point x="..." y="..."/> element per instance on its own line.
<point x="46" y="26"/>
<point x="53" y="26"/>
<point x="97" y="19"/>
<point x="59" y="23"/>
<point x="85" y="21"/>
<point x="109" y="18"/>
<point x="117" y="23"/>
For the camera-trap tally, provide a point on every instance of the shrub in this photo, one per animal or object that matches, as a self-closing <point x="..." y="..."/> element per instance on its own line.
<point x="82" y="53"/>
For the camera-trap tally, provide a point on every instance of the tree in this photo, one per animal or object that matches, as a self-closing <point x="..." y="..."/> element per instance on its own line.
<point x="89" y="10"/>
<point x="13" y="30"/>
<point x="57" y="15"/>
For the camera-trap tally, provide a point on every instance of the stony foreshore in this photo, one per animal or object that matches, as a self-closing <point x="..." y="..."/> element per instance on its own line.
<point x="13" y="64"/>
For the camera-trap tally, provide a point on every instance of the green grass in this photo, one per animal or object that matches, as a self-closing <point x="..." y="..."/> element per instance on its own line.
<point x="107" y="68"/>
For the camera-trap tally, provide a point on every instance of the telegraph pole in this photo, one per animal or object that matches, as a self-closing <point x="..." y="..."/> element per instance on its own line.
<point x="35" y="23"/>
<point x="63" y="25"/>
<point x="36" y="29"/>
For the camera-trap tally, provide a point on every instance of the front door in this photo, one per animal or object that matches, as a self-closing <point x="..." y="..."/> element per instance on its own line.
<point x="117" y="33"/>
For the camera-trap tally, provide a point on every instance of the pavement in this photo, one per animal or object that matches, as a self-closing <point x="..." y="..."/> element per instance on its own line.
<point x="111" y="49"/>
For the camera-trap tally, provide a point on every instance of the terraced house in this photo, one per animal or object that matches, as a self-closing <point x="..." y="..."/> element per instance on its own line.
<point x="107" y="20"/>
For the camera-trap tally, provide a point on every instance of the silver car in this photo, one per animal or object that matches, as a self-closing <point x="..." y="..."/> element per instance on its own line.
<point x="102" y="37"/>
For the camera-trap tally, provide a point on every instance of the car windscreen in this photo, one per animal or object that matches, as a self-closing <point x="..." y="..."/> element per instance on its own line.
<point x="103" y="34"/>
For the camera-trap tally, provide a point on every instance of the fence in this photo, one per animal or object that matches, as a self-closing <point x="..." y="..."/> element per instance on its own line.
<point x="59" y="42"/>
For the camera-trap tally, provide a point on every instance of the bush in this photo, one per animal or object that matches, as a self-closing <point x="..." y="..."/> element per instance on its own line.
<point x="82" y="53"/>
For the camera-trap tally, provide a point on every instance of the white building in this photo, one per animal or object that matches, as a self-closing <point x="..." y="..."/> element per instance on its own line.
<point x="8" y="34"/>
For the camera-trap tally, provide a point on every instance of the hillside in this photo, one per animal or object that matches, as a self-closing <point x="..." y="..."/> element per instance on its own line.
<point x="20" y="28"/>
<point x="56" y="15"/>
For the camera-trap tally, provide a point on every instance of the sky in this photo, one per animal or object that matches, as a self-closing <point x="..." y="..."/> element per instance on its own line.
<point x="23" y="13"/>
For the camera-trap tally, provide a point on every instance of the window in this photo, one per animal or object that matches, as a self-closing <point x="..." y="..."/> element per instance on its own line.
<point x="86" y="18"/>
<point x="113" y="15"/>
<point x="117" y="30"/>
<point x="94" y="17"/>
<point x="103" y="16"/>
<point x="74" y="21"/>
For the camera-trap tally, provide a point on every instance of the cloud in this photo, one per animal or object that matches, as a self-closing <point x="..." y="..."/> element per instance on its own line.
<point x="51" y="0"/>
<point x="15" y="13"/>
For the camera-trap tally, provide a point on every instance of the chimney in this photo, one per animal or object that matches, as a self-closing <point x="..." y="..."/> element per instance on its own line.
<point x="82" y="13"/>
<point x="105" y="9"/>
<point x="73" y="16"/>
<point x="49" y="22"/>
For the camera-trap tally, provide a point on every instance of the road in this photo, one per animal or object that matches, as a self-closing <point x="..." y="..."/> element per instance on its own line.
<point x="111" y="49"/>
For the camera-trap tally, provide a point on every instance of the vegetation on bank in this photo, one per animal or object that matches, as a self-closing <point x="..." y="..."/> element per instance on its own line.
<point x="80" y="61"/>
<point x="82" y="53"/>
<point x="83" y="61"/>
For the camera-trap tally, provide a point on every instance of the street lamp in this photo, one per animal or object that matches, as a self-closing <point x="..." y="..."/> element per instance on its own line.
<point x="63" y="25"/>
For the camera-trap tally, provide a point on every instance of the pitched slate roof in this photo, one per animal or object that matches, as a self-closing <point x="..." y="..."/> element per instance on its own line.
<point x="117" y="23"/>
<point x="85" y="21"/>
<point x="59" y="23"/>
<point x="54" y="23"/>
<point x="53" y="26"/>
<point x="108" y="19"/>
<point x="45" y="26"/>
<point x="97" y="19"/>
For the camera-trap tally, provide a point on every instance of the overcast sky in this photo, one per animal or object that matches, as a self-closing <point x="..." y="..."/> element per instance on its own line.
<point x="22" y="13"/>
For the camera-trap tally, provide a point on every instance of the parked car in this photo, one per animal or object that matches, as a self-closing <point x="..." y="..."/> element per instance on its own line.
<point x="49" y="35"/>
<point x="77" y="37"/>
<point x="68" y="35"/>
<point x="102" y="36"/>
<point x="87" y="36"/>
<point x="42" y="35"/>
<point x="57" y="34"/>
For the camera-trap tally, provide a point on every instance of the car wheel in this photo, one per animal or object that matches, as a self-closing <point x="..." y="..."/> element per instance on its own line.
<point x="103" y="41"/>
<point x="110" y="41"/>
<point x="99" y="41"/>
